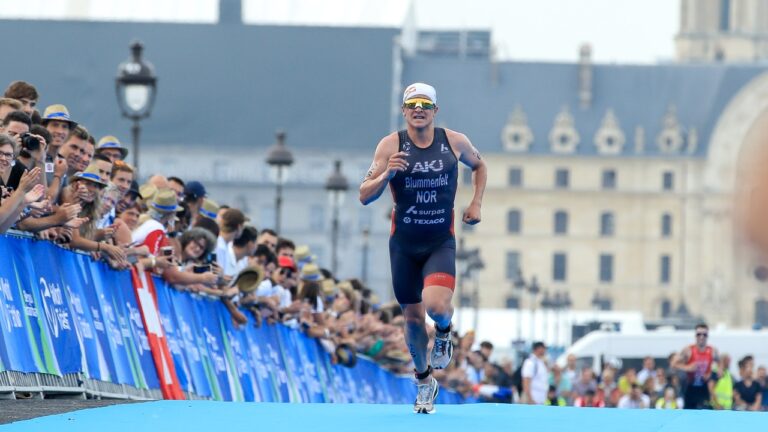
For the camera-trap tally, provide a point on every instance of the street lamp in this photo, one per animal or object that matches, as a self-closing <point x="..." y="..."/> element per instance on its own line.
<point x="279" y="158"/>
<point x="534" y="290"/>
<point x="337" y="186"/>
<point x="474" y="266"/>
<point x="519" y="284"/>
<point x="561" y="301"/>
<point x="136" y="87"/>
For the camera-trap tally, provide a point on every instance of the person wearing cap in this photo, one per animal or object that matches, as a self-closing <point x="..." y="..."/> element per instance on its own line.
<point x="58" y="122"/>
<point x="420" y="165"/>
<point x="85" y="189"/>
<point x="162" y="211"/>
<point x="194" y="194"/>
<point x="271" y="291"/>
<point x="209" y="209"/>
<point x="130" y="198"/>
<point x="110" y="147"/>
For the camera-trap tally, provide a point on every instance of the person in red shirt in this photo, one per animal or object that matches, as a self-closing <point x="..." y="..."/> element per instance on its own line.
<point x="697" y="360"/>
<point x="589" y="400"/>
<point x="162" y="212"/>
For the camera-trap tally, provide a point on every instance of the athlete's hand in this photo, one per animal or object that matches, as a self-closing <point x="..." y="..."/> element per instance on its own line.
<point x="472" y="214"/>
<point x="396" y="163"/>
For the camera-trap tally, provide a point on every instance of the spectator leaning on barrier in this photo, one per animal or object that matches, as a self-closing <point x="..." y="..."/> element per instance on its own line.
<point x="58" y="122"/>
<point x="747" y="393"/>
<point x="669" y="400"/>
<point x="194" y="194"/>
<point x="285" y="247"/>
<point x="32" y="151"/>
<point x="535" y="374"/>
<point x="268" y="237"/>
<point x="635" y="399"/>
<point x="241" y="249"/>
<point x="25" y="93"/>
<point x="230" y="228"/>
<point x="722" y="384"/>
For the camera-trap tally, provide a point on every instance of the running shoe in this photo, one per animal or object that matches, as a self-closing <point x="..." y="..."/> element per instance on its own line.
<point x="425" y="397"/>
<point x="442" y="350"/>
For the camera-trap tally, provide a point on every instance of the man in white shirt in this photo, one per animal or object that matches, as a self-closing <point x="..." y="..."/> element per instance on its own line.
<point x="536" y="376"/>
<point x="230" y="227"/>
<point x="240" y="250"/>
<point x="635" y="399"/>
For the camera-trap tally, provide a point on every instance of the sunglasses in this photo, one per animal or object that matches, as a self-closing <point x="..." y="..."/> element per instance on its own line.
<point x="425" y="104"/>
<point x="702" y="334"/>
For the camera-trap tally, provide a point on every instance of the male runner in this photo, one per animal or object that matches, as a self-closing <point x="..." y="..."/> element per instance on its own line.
<point x="420" y="165"/>
<point x="697" y="360"/>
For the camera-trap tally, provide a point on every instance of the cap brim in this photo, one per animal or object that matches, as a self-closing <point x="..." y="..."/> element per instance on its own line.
<point x="176" y="210"/>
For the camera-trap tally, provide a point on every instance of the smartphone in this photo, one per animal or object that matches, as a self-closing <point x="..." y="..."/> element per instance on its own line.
<point x="167" y="250"/>
<point x="205" y="268"/>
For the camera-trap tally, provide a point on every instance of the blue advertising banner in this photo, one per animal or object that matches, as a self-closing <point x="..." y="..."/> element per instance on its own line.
<point x="172" y="328"/>
<point x="132" y="326"/>
<point x="101" y="301"/>
<point x="75" y="315"/>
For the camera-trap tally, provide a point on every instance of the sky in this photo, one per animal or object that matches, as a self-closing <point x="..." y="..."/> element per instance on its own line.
<point x="620" y="31"/>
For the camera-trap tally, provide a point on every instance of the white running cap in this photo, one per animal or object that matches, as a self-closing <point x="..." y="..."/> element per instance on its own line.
<point x="422" y="89"/>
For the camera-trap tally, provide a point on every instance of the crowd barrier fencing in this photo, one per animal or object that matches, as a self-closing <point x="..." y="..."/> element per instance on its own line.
<point x="73" y="327"/>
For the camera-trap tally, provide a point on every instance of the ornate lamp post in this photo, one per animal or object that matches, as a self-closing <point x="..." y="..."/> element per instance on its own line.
<point x="136" y="87"/>
<point x="279" y="158"/>
<point x="337" y="186"/>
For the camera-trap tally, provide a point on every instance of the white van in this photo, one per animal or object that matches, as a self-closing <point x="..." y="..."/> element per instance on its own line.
<point x="599" y="347"/>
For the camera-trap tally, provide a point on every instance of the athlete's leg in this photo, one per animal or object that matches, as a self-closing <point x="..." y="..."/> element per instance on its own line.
<point x="439" y="282"/>
<point x="416" y="336"/>
<point x="437" y="302"/>
<point x="407" y="283"/>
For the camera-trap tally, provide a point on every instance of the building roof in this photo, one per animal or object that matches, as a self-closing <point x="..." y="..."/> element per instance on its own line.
<point x="476" y="97"/>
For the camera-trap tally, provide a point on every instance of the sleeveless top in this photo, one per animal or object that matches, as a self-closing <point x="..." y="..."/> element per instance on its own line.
<point x="703" y="361"/>
<point x="424" y="193"/>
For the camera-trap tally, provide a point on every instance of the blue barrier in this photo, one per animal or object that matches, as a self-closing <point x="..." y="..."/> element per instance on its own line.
<point x="63" y="313"/>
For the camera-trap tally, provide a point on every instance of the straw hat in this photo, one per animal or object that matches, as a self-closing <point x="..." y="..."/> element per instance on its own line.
<point x="209" y="208"/>
<point x="91" y="174"/>
<point x="249" y="279"/>
<point x="111" y="142"/>
<point x="164" y="201"/>
<point x="57" y="112"/>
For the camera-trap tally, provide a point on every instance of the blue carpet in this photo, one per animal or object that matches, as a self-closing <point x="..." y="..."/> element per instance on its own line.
<point x="185" y="416"/>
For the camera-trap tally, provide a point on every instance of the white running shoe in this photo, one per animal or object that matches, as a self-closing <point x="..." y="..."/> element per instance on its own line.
<point x="442" y="350"/>
<point x="425" y="397"/>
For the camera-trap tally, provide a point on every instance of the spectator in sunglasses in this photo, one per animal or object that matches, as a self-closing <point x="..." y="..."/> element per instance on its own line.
<point x="696" y="360"/>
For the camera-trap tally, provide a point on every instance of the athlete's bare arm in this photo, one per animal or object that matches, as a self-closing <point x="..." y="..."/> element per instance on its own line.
<point x="387" y="161"/>
<point x="470" y="156"/>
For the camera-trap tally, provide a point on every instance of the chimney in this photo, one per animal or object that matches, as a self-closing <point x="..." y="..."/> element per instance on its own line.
<point x="231" y="12"/>
<point x="585" y="76"/>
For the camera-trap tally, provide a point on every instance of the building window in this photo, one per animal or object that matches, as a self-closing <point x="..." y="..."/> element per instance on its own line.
<point x="606" y="224"/>
<point x="316" y="217"/>
<point x="561" y="222"/>
<point x="668" y="180"/>
<point x="562" y="178"/>
<point x="467" y="177"/>
<point x="666" y="225"/>
<point x="725" y="15"/>
<point x="665" y="270"/>
<point x="516" y="177"/>
<point x="559" y="267"/>
<point x="514" y="221"/>
<point x="606" y="268"/>
<point x="609" y="179"/>
<point x="513" y="264"/>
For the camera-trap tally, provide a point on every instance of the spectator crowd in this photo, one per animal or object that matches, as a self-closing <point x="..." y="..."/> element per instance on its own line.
<point x="60" y="184"/>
